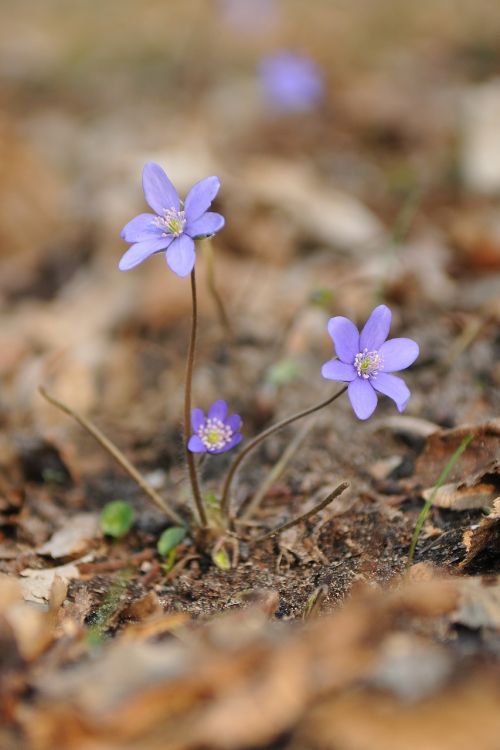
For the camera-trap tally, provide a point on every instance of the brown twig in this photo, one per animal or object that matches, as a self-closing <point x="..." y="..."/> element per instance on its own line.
<point x="226" y="498"/>
<point x="326" y="501"/>
<point x="114" y="451"/>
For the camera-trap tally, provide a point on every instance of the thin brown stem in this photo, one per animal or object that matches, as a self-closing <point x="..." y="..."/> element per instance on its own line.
<point x="326" y="501"/>
<point x="212" y="287"/>
<point x="190" y="459"/>
<point x="278" y="468"/>
<point x="226" y="498"/>
<point x="114" y="451"/>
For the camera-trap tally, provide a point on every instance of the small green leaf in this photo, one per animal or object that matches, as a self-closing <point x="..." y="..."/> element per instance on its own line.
<point x="117" y="518"/>
<point x="212" y="500"/>
<point x="221" y="559"/>
<point x="321" y="297"/>
<point x="283" y="372"/>
<point x="170" y="539"/>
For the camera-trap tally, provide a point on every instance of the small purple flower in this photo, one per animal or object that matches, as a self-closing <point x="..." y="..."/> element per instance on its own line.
<point x="174" y="226"/>
<point x="215" y="433"/>
<point x="366" y="361"/>
<point x="291" y="82"/>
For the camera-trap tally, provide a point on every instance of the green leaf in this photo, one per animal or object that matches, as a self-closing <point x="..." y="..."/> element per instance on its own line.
<point x="283" y="372"/>
<point x="321" y="297"/>
<point x="221" y="559"/>
<point x="170" y="539"/>
<point x="117" y="518"/>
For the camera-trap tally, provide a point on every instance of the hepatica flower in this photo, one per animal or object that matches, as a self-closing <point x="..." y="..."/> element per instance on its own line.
<point x="366" y="361"/>
<point x="175" y="225"/>
<point x="291" y="82"/>
<point x="216" y="432"/>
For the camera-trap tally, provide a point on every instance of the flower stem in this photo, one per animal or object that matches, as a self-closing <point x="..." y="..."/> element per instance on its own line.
<point x="226" y="498"/>
<point x="190" y="459"/>
<point x="212" y="287"/>
<point x="112" y="449"/>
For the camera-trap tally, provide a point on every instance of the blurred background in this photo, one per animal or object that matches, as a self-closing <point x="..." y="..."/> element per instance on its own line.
<point x="358" y="146"/>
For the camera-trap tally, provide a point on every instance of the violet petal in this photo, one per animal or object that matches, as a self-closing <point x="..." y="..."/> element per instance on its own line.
<point x="362" y="397"/>
<point x="181" y="255"/>
<point x="345" y="336"/>
<point x="394" y="387"/>
<point x="234" y="422"/>
<point x="236" y="438"/>
<point x="197" y="419"/>
<point x="141" y="228"/>
<point x="158" y="190"/>
<point x="397" y="354"/>
<point x="196" y="445"/>
<point x="200" y="197"/>
<point x="218" y="410"/>
<point x="140" y="251"/>
<point x="376" y="329"/>
<point x="337" y="370"/>
<point x="208" y="223"/>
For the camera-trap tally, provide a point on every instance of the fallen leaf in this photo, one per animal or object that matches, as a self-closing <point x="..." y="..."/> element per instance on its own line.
<point x="74" y="538"/>
<point x="37" y="584"/>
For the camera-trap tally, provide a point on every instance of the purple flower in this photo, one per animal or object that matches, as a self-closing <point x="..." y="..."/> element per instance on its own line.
<point x="174" y="226"/>
<point x="215" y="433"/>
<point x="291" y="82"/>
<point x="366" y="361"/>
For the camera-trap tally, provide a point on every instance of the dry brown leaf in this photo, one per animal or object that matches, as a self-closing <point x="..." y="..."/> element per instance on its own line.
<point x="483" y="537"/>
<point x="74" y="538"/>
<point x="479" y="604"/>
<point x="459" y="496"/>
<point x="440" y="446"/>
<point x="36" y="583"/>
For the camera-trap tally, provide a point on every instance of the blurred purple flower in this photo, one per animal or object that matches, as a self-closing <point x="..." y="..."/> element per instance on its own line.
<point x="174" y="226"/>
<point x="250" y="16"/>
<point x="291" y="82"/>
<point x="215" y="433"/>
<point x="366" y="361"/>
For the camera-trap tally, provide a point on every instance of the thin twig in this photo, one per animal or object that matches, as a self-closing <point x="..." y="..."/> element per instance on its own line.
<point x="226" y="498"/>
<point x="114" y="451"/>
<point x="278" y="468"/>
<point x="190" y="459"/>
<point x="212" y="287"/>
<point x="327" y="500"/>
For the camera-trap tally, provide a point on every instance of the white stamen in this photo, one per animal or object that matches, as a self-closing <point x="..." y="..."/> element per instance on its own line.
<point x="368" y="364"/>
<point x="172" y="222"/>
<point x="214" y="434"/>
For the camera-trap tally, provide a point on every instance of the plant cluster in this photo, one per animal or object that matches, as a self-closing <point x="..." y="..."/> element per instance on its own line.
<point x="365" y="360"/>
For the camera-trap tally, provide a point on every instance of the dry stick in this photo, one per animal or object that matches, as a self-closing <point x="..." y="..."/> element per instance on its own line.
<point x="190" y="459"/>
<point x="277" y="470"/>
<point x="212" y="287"/>
<point x="106" y="443"/>
<point x="262" y="436"/>
<point x="327" y="500"/>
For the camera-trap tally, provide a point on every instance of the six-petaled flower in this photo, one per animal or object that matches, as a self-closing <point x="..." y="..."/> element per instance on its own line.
<point x="174" y="226"/>
<point x="216" y="432"/>
<point x="366" y="361"/>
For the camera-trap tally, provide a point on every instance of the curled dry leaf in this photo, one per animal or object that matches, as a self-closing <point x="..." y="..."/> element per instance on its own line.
<point x="483" y="539"/>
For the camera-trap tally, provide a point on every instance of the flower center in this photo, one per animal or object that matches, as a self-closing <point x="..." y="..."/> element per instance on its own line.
<point x="214" y="434"/>
<point x="368" y="364"/>
<point x="172" y="222"/>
